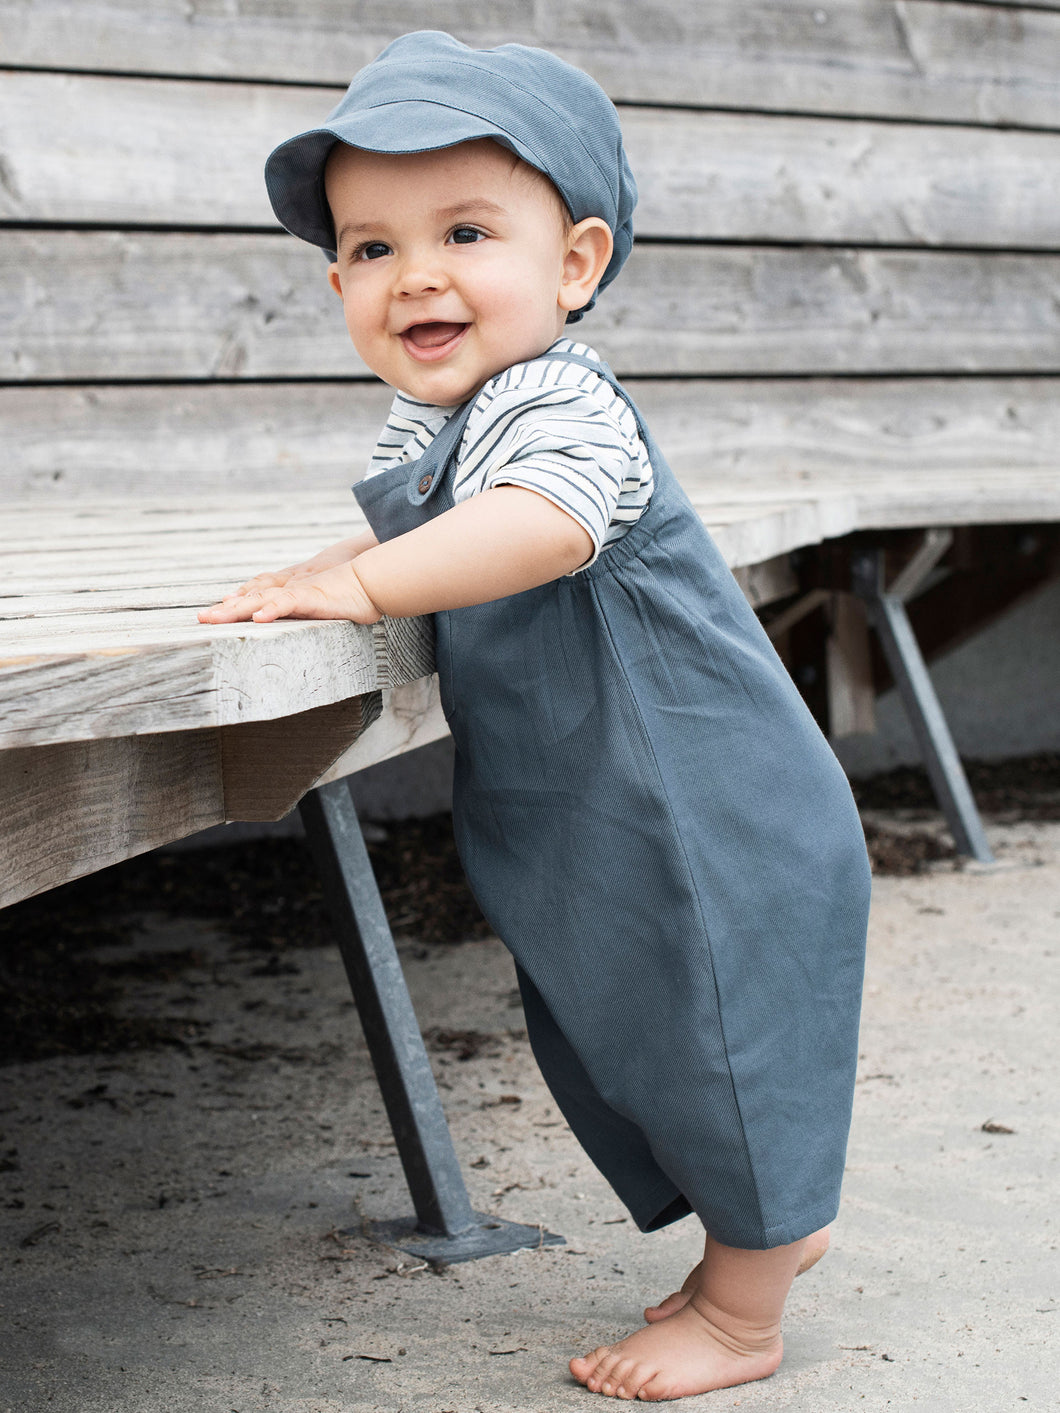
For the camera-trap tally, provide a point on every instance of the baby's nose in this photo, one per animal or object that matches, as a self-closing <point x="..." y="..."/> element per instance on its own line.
<point x="420" y="276"/>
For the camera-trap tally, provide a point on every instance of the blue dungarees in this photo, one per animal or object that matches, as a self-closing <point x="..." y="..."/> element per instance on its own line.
<point x="653" y="823"/>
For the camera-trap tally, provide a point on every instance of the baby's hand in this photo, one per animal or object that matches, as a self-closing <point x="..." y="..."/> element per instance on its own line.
<point x="334" y="593"/>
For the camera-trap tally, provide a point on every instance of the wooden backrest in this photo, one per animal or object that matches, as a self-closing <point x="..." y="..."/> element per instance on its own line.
<point x="848" y="249"/>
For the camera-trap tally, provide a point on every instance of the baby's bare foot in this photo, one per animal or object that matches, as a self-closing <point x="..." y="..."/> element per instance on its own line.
<point x="816" y="1246"/>
<point x="694" y="1350"/>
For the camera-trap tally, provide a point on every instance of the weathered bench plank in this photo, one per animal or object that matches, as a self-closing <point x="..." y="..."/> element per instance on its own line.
<point x="296" y="440"/>
<point x="76" y="807"/>
<point x="185" y="306"/>
<point x="150" y="441"/>
<point x="82" y="594"/>
<point x="75" y="672"/>
<point x="927" y="60"/>
<point x="108" y="521"/>
<point x="82" y="675"/>
<point x="144" y="153"/>
<point x="105" y="682"/>
<point x="79" y="805"/>
<point x="132" y="565"/>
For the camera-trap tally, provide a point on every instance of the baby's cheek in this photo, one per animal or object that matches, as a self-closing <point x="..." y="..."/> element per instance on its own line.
<point x="364" y="316"/>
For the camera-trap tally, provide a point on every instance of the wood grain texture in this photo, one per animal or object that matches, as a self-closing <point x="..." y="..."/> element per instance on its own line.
<point x="72" y="808"/>
<point x="145" y="152"/>
<point x="257" y="444"/>
<point x="971" y="63"/>
<point x="403" y="649"/>
<point x="85" y="686"/>
<point x="75" y="675"/>
<point x="848" y="667"/>
<point x="75" y="807"/>
<point x="250" y="307"/>
<point x="743" y="176"/>
<point x="70" y="670"/>
<point x="767" y="581"/>
<point x="154" y="441"/>
<point x="63" y="680"/>
<point x="267" y="766"/>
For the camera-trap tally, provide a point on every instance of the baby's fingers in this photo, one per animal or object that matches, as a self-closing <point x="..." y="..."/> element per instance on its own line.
<point x="278" y="605"/>
<point x="336" y="593"/>
<point x="298" y="599"/>
<point x="234" y="608"/>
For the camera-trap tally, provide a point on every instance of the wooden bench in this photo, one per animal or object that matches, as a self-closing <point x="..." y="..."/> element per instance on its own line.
<point x="841" y="319"/>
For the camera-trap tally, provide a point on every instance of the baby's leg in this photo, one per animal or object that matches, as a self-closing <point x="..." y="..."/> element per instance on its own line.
<point x="816" y="1246"/>
<point x="727" y="1333"/>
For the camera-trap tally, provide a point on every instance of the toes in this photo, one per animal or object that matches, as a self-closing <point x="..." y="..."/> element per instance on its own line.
<point x="622" y="1380"/>
<point x="588" y="1371"/>
<point x="608" y="1374"/>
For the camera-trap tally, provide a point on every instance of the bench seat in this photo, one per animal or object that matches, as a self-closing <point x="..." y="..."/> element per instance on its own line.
<point x="110" y="689"/>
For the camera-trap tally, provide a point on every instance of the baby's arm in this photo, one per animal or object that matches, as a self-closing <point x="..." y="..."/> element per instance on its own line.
<point x="491" y="545"/>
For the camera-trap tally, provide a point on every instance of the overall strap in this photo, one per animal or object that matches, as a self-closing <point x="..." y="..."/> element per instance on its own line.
<point x="429" y="471"/>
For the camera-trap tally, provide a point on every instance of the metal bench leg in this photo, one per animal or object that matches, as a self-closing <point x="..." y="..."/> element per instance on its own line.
<point x="887" y="614"/>
<point x="445" y="1227"/>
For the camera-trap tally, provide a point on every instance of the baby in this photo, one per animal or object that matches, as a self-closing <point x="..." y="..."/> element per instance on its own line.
<point x="646" y="811"/>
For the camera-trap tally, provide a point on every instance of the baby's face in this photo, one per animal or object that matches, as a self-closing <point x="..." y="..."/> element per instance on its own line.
<point x="451" y="264"/>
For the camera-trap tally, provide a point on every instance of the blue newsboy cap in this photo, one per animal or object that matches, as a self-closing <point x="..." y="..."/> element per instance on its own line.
<point x="427" y="91"/>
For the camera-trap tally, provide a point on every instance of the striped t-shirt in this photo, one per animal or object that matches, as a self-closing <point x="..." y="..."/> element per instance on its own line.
<point x="550" y="426"/>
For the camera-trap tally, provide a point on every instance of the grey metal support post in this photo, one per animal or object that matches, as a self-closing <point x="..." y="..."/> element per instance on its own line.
<point x="887" y="614"/>
<point x="445" y="1227"/>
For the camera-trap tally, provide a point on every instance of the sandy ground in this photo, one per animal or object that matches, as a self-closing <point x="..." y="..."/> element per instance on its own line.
<point x="173" y="1220"/>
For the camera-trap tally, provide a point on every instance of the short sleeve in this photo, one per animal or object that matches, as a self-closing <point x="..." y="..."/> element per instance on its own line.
<point x="561" y="441"/>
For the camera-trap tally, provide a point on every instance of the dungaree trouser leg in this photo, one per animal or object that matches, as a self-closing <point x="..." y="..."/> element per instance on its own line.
<point x="654" y="825"/>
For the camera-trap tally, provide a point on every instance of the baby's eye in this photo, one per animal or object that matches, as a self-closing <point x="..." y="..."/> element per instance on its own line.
<point x="372" y="250"/>
<point x="467" y="235"/>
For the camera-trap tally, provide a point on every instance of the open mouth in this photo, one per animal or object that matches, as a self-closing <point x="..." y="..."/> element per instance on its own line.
<point x="432" y="339"/>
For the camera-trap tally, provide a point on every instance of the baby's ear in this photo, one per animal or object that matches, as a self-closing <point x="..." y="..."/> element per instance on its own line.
<point x="333" y="278"/>
<point x="589" y="247"/>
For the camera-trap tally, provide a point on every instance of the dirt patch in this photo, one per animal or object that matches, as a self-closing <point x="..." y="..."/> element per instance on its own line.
<point x="904" y="830"/>
<point x="57" y="998"/>
<point x="898" y="852"/>
<point x="60" y="983"/>
<point x="463" y="1044"/>
<point x="1026" y="788"/>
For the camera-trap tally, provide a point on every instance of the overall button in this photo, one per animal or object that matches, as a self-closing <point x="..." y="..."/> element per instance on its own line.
<point x="425" y="484"/>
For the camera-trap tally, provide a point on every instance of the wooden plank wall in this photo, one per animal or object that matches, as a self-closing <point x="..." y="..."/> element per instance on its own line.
<point x="848" y="239"/>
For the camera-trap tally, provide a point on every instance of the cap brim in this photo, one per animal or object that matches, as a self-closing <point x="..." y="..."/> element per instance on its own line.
<point x="294" y="172"/>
